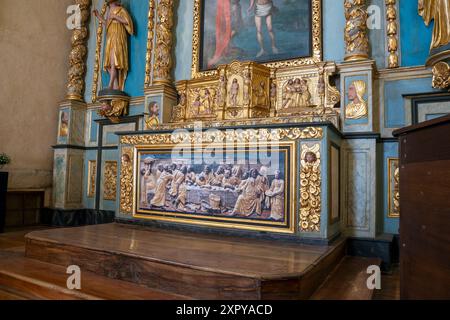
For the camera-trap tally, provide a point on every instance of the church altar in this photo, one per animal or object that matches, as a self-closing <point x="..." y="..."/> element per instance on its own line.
<point x="241" y="117"/>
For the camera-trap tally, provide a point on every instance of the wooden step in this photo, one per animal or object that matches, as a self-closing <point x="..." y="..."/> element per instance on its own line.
<point x="24" y="278"/>
<point x="207" y="266"/>
<point x="348" y="281"/>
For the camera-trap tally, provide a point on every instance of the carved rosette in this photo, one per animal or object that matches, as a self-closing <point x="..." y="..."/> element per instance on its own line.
<point x="77" y="57"/>
<point x="392" y="33"/>
<point x="126" y="181"/>
<point x="163" y="60"/>
<point x="355" y="33"/>
<point x="310" y="189"/>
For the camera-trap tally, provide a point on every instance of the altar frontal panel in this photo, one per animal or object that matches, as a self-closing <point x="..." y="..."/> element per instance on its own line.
<point x="245" y="187"/>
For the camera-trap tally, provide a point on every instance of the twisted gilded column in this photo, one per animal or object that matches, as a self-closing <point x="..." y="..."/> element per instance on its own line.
<point x="163" y="60"/>
<point x="77" y="57"/>
<point x="355" y="34"/>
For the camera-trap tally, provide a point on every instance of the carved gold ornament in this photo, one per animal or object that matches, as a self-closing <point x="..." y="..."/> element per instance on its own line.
<point x="151" y="33"/>
<point x="393" y="188"/>
<point x="310" y="189"/>
<point x="355" y="33"/>
<point x="392" y="33"/>
<point x="110" y="181"/>
<point x="357" y="108"/>
<point x="77" y="57"/>
<point x="163" y="60"/>
<point x="216" y="136"/>
<point x="98" y="52"/>
<point x="441" y="75"/>
<point x="126" y="180"/>
<point x="316" y="43"/>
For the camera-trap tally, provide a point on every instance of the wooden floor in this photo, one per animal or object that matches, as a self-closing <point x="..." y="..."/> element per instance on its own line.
<point x="178" y="255"/>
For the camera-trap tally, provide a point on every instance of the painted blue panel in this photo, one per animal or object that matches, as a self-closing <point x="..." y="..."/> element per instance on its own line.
<point x="94" y="126"/>
<point x="134" y="85"/>
<point x="136" y="110"/>
<point x="183" y="47"/>
<point x="389" y="225"/>
<point x="393" y="100"/>
<point x="415" y="36"/>
<point x="333" y="30"/>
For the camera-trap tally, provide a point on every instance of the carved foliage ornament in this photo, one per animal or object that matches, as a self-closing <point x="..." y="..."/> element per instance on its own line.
<point x="110" y="184"/>
<point x="310" y="189"/>
<point x="126" y="180"/>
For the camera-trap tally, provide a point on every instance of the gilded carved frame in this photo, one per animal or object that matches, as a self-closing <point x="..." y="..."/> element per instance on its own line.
<point x="316" y="30"/>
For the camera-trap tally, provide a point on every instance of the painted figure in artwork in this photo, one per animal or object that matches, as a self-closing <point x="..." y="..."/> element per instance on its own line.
<point x="64" y="125"/>
<point x="119" y="25"/>
<point x="276" y="196"/>
<point x="159" y="200"/>
<point x="234" y="92"/>
<point x="264" y="9"/>
<point x="357" y="108"/>
<point x="249" y="201"/>
<point x="439" y="11"/>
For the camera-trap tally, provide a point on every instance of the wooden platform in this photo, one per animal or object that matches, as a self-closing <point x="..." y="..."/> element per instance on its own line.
<point x="190" y="264"/>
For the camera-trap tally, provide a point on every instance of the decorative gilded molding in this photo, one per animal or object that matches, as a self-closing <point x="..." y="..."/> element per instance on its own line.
<point x="110" y="181"/>
<point x="316" y="44"/>
<point x="77" y="57"/>
<point x="92" y="177"/>
<point x="393" y="188"/>
<point x="310" y="189"/>
<point x="163" y="60"/>
<point x="392" y="33"/>
<point x="126" y="180"/>
<point x="355" y="33"/>
<point x="216" y="136"/>
<point x="150" y="40"/>
<point x="98" y="52"/>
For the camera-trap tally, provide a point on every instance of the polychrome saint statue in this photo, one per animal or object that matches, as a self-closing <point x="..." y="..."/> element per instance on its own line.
<point x="119" y="25"/>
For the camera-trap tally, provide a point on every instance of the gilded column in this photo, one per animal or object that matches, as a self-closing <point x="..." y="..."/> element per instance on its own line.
<point x="356" y="37"/>
<point x="392" y="33"/>
<point x="77" y="58"/>
<point x="163" y="60"/>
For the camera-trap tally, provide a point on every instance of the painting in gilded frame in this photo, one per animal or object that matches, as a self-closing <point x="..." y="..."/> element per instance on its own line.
<point x="240" y="190"/>
<point x="263" y="31"/>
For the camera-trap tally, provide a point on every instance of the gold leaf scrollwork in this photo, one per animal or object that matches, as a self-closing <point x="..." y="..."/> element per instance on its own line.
<point x="98" y="50"/>
<point x="310" y="189"/>
<point x="126" y="180"/>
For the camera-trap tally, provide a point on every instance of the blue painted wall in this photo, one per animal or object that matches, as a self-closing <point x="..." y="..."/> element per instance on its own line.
<point x="393" y="98"/>
<point x="415" y="36"/>
<point x="388" y="225"/>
